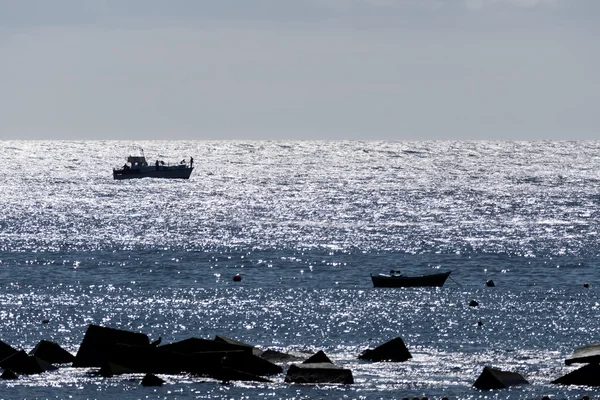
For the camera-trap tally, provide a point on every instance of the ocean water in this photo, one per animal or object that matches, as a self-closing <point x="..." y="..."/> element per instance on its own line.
<point x="305" y="224"/>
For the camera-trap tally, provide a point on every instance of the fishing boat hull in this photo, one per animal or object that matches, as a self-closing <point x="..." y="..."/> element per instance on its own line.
<point x="433" y="280"/>
<point x="170" y="172"/>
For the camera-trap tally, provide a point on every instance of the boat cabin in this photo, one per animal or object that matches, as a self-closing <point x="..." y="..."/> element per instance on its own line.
<point x="137" y="161"/>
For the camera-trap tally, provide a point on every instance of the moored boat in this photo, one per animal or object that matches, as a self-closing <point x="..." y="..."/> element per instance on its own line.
<point x="396" y="279"/>
<point x="138" y="167"/>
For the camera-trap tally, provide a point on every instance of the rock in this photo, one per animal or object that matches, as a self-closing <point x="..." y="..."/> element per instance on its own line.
<point x="152" y="380"/>
<point x="490" y="283"/>
<point x="318" y="357"/>
<point x="8" y="374"/>
<point x="318" y="373"/>
<point x="22" y="363"/>
<point x="588" y="375"/>
<point x="150" y="359"/>
<point x="394" y="350"/>
<point x="197" y="345"/>
<point x="109" y="369"/>
<point x="52" y="353"/>
<point x="473" y="303"/>
<point x="6" y="350"/>
<point x="250" y="347"/>
<point x="585" y="354"/>
<point x="98" y="342"/>
<point x="279" y="357"/>
<point x="249" y="363"/>
<point x="492" y="378"/>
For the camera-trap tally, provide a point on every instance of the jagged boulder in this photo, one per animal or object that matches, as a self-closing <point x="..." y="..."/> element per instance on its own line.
<point x="318" y="373"/>
<point x="197" y="345"/>
<point x="98" y="343"/>
<point x="585" y="354"/>
<point x="6" y="350"/>
<point x="249" y="347"/>
<point x="588" y="375"/>
<point x="249" y="363"/>
<point x="52" y="353"/>
<point x="149" y="359"/>
<point x="8" y="375"/>
<point x="492" y="378"/>
<point x="22" y="363"/>
<point x="278" y="357"/>
<point x="318" y="357"/>
<point x="152" y="380"/>
<point x="394" y="350"/>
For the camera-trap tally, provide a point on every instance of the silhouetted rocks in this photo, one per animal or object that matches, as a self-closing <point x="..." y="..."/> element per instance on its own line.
<point x="6" y="350"/>
<point x="318" y="373"/>
<point x="588" y="375"/>
<point x="149" y="359"/>
<point x="152" y="380"/>
<point x="226" y="374"/>
<point x="585" y="354"/>
<point x="492" y="378"/>
<point x="249" y="363"/>
<point x="197" y="345"/>
<point x="279" y="357"/>
<point x="22" y="363"/>
<point x="109" y="369"/>
<point x="394" y="350"/>
<point x="318" y="357"/>
<point x="473" y="303"/>
<point x="490" y="283"/>
<point x="98" y="342"/>
<point x="8" y="375"/>
<point x="52" y="353"/>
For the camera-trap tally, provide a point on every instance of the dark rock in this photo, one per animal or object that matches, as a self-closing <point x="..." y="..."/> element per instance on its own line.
<point x="249" y="363"/>
<point x="226" y="374"/>
<point x="149" y="359"/>
<point x="21" y="363"/>
<point x="52" y="353"/>
<point x="394" y="350"/>
<point x="279" y="357"/>
<point x="492" y="378"/>
<point x="156" y="342"/>
<point x="318" y="373"/>
<point x="490" y="283"/>
<point x="109" y="369"/>
<point x="6" y="350"/>
<point x="98" y="342"/>
<point x="585" y="355"/>
<point x="152" y="380"/>
<point x="318" y="357"/>
<point x="588" y="375"/>
<point x="473" y="303"/>
<point x="197" y="345"/>
<point x="249" y="347"/>
<point x="8" y="374"/>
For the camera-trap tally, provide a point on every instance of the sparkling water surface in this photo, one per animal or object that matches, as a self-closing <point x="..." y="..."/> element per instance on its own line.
<point x="305" y="224"/>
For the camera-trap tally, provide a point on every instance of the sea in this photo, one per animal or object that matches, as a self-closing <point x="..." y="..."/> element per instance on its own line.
<point x="305" y="224"/>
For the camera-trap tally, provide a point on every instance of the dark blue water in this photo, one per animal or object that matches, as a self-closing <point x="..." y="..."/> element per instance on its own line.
<point x="305" y="224"/>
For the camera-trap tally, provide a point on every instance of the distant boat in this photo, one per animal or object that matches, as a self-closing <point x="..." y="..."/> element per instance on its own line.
<point x="137" y="167"/>
<point x="396" y="279"/>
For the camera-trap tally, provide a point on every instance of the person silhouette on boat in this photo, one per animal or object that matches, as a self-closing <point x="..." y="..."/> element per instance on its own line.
<point x="191" y="162"/>
<point x="156" y="165"/>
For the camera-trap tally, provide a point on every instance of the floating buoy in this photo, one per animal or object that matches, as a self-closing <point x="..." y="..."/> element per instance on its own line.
<point x="490" y="283"/>
<point x="45" y="321"/>
<point x="237" y="278"/>
<point x="585" y="285"/>
<point x="473" y="303"/>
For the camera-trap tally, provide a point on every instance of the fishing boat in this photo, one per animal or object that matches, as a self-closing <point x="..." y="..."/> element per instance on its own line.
<point x="397" y="279"/>
<point x="138" y="167"/>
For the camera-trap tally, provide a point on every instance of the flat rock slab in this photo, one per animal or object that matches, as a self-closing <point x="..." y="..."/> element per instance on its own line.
<point x="585" y="354"/>
<point x="279" y="357"/>
<point x="588" y="375"/>
<point x="21" y="363"/>
<point x="318" y="373"/>
<point x="98" y="343"/>
<point x="492" y="378"/>
<point x="198" y="345"/>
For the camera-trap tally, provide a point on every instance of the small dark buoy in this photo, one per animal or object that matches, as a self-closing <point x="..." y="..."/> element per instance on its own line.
<point x="45" y="321"/>
<point x="237" y="278"/>
<point x="585" y="397"/>
<point x="479" y="323"/>
<point x="473" y="303"/>
<point x="444" y="398"/>
<point x="545" y="397"/>
<point x="490" y="283"/>
<point x="585" y="285"/>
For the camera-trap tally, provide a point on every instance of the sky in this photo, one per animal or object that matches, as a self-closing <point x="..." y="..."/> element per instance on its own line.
<point x="300" y="69"/>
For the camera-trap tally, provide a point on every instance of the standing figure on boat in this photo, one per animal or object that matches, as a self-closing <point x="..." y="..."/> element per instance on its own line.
<point x="191" y="162"/>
